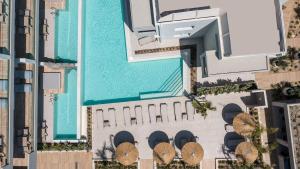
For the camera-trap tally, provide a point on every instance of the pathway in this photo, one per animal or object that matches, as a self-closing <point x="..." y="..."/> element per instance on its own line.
<point x="266" y="79"/>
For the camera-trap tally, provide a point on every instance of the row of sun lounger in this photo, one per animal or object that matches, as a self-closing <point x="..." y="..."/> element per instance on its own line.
<point x="3" y="11"/>
<point x="24" y="21"/>
<point x="140" y="115"/>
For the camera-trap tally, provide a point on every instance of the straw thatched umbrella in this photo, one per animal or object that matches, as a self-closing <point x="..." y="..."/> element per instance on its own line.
<point x="247" y="152"/>
<point x="192" y="153"/>
<point x="244" y="124"/>
<point x="163" y="153"/>
<point x="126" y="153"/>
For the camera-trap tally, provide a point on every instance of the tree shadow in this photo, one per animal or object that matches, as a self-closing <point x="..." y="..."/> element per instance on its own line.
<point x="106" y="152"/>
<point x="157" y="137"/>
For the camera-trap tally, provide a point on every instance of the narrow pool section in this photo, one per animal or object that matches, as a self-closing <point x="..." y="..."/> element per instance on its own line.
<point x="65" y="106"/>
<point x="107" y="75"/>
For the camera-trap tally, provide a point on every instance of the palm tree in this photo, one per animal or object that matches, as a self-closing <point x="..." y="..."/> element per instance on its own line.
<point x="203" y="107"/>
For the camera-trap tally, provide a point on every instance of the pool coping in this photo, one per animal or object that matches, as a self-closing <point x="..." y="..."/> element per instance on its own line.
<point x="79" y="68"/>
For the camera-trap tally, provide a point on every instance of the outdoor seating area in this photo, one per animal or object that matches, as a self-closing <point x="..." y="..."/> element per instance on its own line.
<point x="145" y="114"/>
<point x="23" y="139"/>
<point x="150" y="122"/>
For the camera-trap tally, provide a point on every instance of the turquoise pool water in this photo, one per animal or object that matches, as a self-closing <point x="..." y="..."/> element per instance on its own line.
<point x="65" y="107"/>
<point x="107" y="76"/>
<point x="65" y="119"/>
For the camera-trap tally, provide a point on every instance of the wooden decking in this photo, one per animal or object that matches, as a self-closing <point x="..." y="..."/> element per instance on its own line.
<point x="63" y="160"/>
<point x="266" y="79"/>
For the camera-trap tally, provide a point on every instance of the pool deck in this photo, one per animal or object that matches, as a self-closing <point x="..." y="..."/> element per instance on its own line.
<point x="49" y="51"/>
<point x="210" y="132"/>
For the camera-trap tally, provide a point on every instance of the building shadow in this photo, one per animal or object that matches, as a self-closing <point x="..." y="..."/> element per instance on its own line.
<point x="183" y="137"/>
<point x="157" y="137"/>
<point x="123" y="136"/>
<point x="229" y="111"/>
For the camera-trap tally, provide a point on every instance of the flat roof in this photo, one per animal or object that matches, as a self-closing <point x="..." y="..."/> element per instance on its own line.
<point x="141" y="14"/>
<point x="252" y="24"/>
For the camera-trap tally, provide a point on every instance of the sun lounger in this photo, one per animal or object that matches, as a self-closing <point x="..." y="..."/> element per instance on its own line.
<point x="190" y="110"/>
<point x="25" y="21"/>
<point x="229" y="128"/>
<point x="171" y="113"/>
<point x="23" y="132"/>
<point x="44" y="124"/>
<point x="112" y="118"/>
<point x="146" y="40"/>
<point x="177" y="110"/>
<point x="99" y="118"/>
<point x="2" y="19"/>
<point x="133" y="119"/>
<point x="3" y="85"/>
<point x="106" y="119"/>
<point x="3" y="104"/>
<point x="24" y="12"/>
<point x="158" y="116"/>
<point x="24" y="30"/>
<point x="152" y="112"/>
<point x="126" y="112"/>
<point x="139" y="116"/>
<point x="23" y="88"/>
<point x="164" y="112"/>
<point x="24" y="74"/>
<point x="120" y="119"/>
<point x="1" y="141"/>
<point x="1" y="8"/>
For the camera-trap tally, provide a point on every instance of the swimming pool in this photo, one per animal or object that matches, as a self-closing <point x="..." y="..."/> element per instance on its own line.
<point x="65" y="105"/>
<point x="107" y="76"/>
<point x="65" y="108"/>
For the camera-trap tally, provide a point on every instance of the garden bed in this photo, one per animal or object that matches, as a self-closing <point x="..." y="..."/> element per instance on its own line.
<point x="227" y="88"/>
<point x="113" y="165"/>
<point x="63" y="146"/>
<point x="175" y="164"/>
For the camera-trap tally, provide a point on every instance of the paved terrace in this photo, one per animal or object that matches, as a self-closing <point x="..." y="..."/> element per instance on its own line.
<point x="210" y="131"/>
